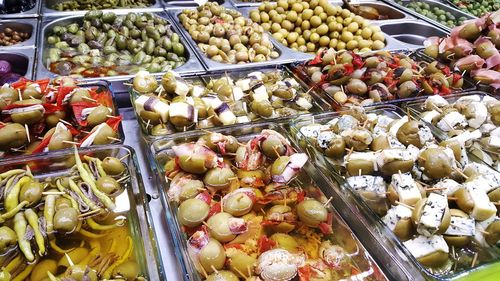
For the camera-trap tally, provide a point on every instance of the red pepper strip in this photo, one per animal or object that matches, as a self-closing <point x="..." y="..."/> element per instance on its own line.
<point x="456" y="77"/>
<point x="305" y="273"/>
<point x="318" y="59"/>
<point x="215" y="209"/>
<point x="446" y="70"/>
<point x="43" y="144"/>
<point x="78" y="107"/>
<point x="268" y="223"/>
<point x="114" y="122"/>
<point x="236" y="246"/>
<point x="38" y="128"/>
<point x="204" y="196"/>
<point x="51" y="108"/>
<point x="301" y="196"/>
<point x="12" y="106"/>
<point x="357" y="61"/>
<point x="445" y="90"/>
<point x="2" y="125"/>
<point x="265" y="244"/>
<point x="62" y="92"/>
<point x="348" y="69"/>
<point x="325" y="228"/>
<point x="21" y="83"/>
<point x="101" y="96"/>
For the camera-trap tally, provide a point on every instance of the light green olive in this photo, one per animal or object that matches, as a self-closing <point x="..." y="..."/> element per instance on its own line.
<point x="128" y="270"/>
<point x="98" y="115"/>
<point x="286" y="242"/>
<point x="65" y="220"/>
<point x="273" y="147"/>
<point x="59" y="139"/>
<point x="31" y="192"/>
<point x="311" y="212"/>
<point x="108" y="185"/>
<point x="218" y="226"/>
<point x="218" y="178"/>
<point x="79" y="95"/>
<point x="192" y="212"/>
<point x="28" y="117"/>
<point x="240" y="262"/>
<point x="280" y="210"/>
<point x="62" y="203"/>
<point x="436" y="163"/>
<point x="52" y="119"/>
<point x="12" y="135"/>
<point x="238" y="204"/>
<point x="113" y="166"/>
<point x="212" y="256"/>
<point x="190" y="189"/>
<point x="144" y="83"/>
<point x="279" y="165"/>
<point x="40" y="270"/>
<point x="106" y="135"/>
<point x="194" y="164"/>
<point x="408" y="134"/>
<point x="8" y="238"/>
<point x="79" y="272"/>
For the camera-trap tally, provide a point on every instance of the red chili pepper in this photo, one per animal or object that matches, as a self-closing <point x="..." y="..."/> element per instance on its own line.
<point x="265" y="244"/>
<point x="445" y="90"/>
<point x="357" y="61"/>
<point x="235" y="246"/>
<point x="325" y="228"/>
<point x="268" y="223"/>
<point x="456" y="77"/>
<point x="348" y="69"/>
<point x="43" y="144"/>
<point x="318" y="59"/>
<point x="114" y="122"/>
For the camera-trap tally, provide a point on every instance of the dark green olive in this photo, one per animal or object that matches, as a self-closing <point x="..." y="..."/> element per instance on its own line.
<point x="273" y="147"/>
<point x="28" y="117"/>
<point x="113" y="166"/>
<point x="79" y="272"/>
<point x="192" y="212"/>
<point x="52" y="119"/>
<point x="31" y="192"/>
<point x="311" y="212"/>
<point x="108" y="185"/>
<point x="8" y="238"/>
<point x="151" y="117"/>
<point x="12" y="135"/>
<point x="65" y="220"/>
<point x="263" y="108"/>
<point x="408" y="134"/>
<point x="336" y="147"/>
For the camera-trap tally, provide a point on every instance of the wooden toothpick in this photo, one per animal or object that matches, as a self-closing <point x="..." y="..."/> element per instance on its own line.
<point x="403" y="204"/>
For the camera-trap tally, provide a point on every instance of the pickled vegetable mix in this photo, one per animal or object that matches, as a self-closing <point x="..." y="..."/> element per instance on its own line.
<point x="438" y="202"/>
<point x="72" y="5"/>
<point x="44" y="115"/>
<point x="72" y="225"/>
<point x="247" y="212"/>
<point x="106" y="44"/>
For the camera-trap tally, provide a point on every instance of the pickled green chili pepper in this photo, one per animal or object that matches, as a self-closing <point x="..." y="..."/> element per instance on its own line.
<point x="13" y="212"/>
<point x="20" y="225"/>
<point x="89" y="171"/>
<point x="88" y="179"/>
<point x="98" y="164"/>
<point x="79" y="192"/>
<point x="12" y="198"/>
<point x="61" y="188"/>
<point x="94" y="225"/>
<point x="11" y="173"/>
<point x="25" y="273"/>
<point x="48" y="212"/>
<point x="52" y="277"/>
<point x="4" y="275"/>
<point x="32" y="218"/>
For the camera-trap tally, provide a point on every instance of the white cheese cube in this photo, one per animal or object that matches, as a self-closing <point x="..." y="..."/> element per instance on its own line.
<point x="428" y="116"/>
<point x="243" y="84"/>
<point x="406" y="188"/>
<point x="303" y="103"/>
<point x="452" y="120"/>
<point x="395" y="214"/>
<point x="422" y="246"/>
<point x="260" y="93"/>
<point x="483" y="208"/>
<point x="432" y="214"/>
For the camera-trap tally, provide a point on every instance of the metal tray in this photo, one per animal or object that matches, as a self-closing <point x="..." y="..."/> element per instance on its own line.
<point x="319" y="104"/>
<point x="33" y="12"/>
<point x="416" y="107"/>
<point x="192" y="65"/>
<point x="410" y="33"/>
<point x="21" y="59"/>
<point x="432" y="3"/>
<point x="321" y="186"/>
<point x="380" y="230"/>
<point x="211" y="65"/>
<point x="134" y="204"/>
<point x="24" y="25"/>
<point x="299" y="70"/>
<point x="46" y="9"/>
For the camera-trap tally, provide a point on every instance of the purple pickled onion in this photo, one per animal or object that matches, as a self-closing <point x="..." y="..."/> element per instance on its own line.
<point x="5" y="67"/>
<point x="9" y="78"/>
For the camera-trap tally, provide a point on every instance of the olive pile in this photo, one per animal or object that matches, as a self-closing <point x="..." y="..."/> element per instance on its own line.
<point x="476" y="118"/>
<point x="37" y="116"/>
<point x="63" y="227"/>
<point x="175" y="104"/>
<point x="383" y="76"/>
<point x="246" y="216"/>
<point x="425" y="192"/>
<point x="307" y="26"/>
<point x="106" y="44"/>
<point x="75" y="5"/>
<point x="224" y="35"/>
<point x="435" y="13"/>
<point x="9" y="37"/>
<point x="477" y="8"/>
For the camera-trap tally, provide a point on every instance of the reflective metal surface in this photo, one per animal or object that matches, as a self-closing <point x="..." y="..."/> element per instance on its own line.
<point x="411" y="33"/>
<point x="29" y="26"/>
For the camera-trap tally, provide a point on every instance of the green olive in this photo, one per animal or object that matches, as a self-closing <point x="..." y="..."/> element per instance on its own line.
<point x="470" y="31"/>
<point x="311" y="212"/>
<point x="128" y="270"/>
<point x="65" y="220"/>
<point x="98" y="115"/>
<point x="194" y="164"/>
<point x="52" y="119"/>
<point x="32" y="91"/>
<point x="8" y="238"/>
<point x="144" y="83"/>
<point x="238" y="204"/>
<point x="79" y="272"/>
<point x="190" y="189"/>
<point x="380" y="142"/>
<point x="357" y="87"/>
<point x="218" y="226"/>
<point x="192" y="212"/>
<point x="407" y="89"/>
<point x="79" y="95"/>
<point x="31" y="192"/>
<point x="28" y="117"/>
<point x="218" y="178"/>
<point x="436" y="163"/>
<point x="403" y="229"/>
<point x="12" y="135"/>
<point x="273" y="147"/>
<point x="464" y="200"/>
<point x="40" y="270"/>
<point x="113" y="166"/>
<point x="360" y="166"/>
<point x="336" y="147"/>
<point x="222" y="275"/>
<point x="108" y="185"/>
<point x="59" y="139"/>
<point x="62" y="203"/>
<point x="240" y="262"/>
<point x="284" y="226"/>
<point x="435" y="259"/>
<point x="492" y="233"/>
<point x="106" y="134"/>
<point x="408" y="134"/>
<point x="279" y="165"/>
<point x="419" y="209"/>
<point x="263" y="108"/>
<point x="212" y="256"/>
<point x="286" y="242"/>
<point x="457" y="241"/>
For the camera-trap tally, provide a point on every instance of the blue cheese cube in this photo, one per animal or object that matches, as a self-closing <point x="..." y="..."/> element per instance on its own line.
<point x="460" y="226"/>
<point x="395" y="214"/>
<point x="422" y="246"/>
<point x="451" y="121"/>
<point x="483" y="208"/>
<point x="432" y="214"/>
<point x="368" y="183"/>
<point x="406" y="188"/>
